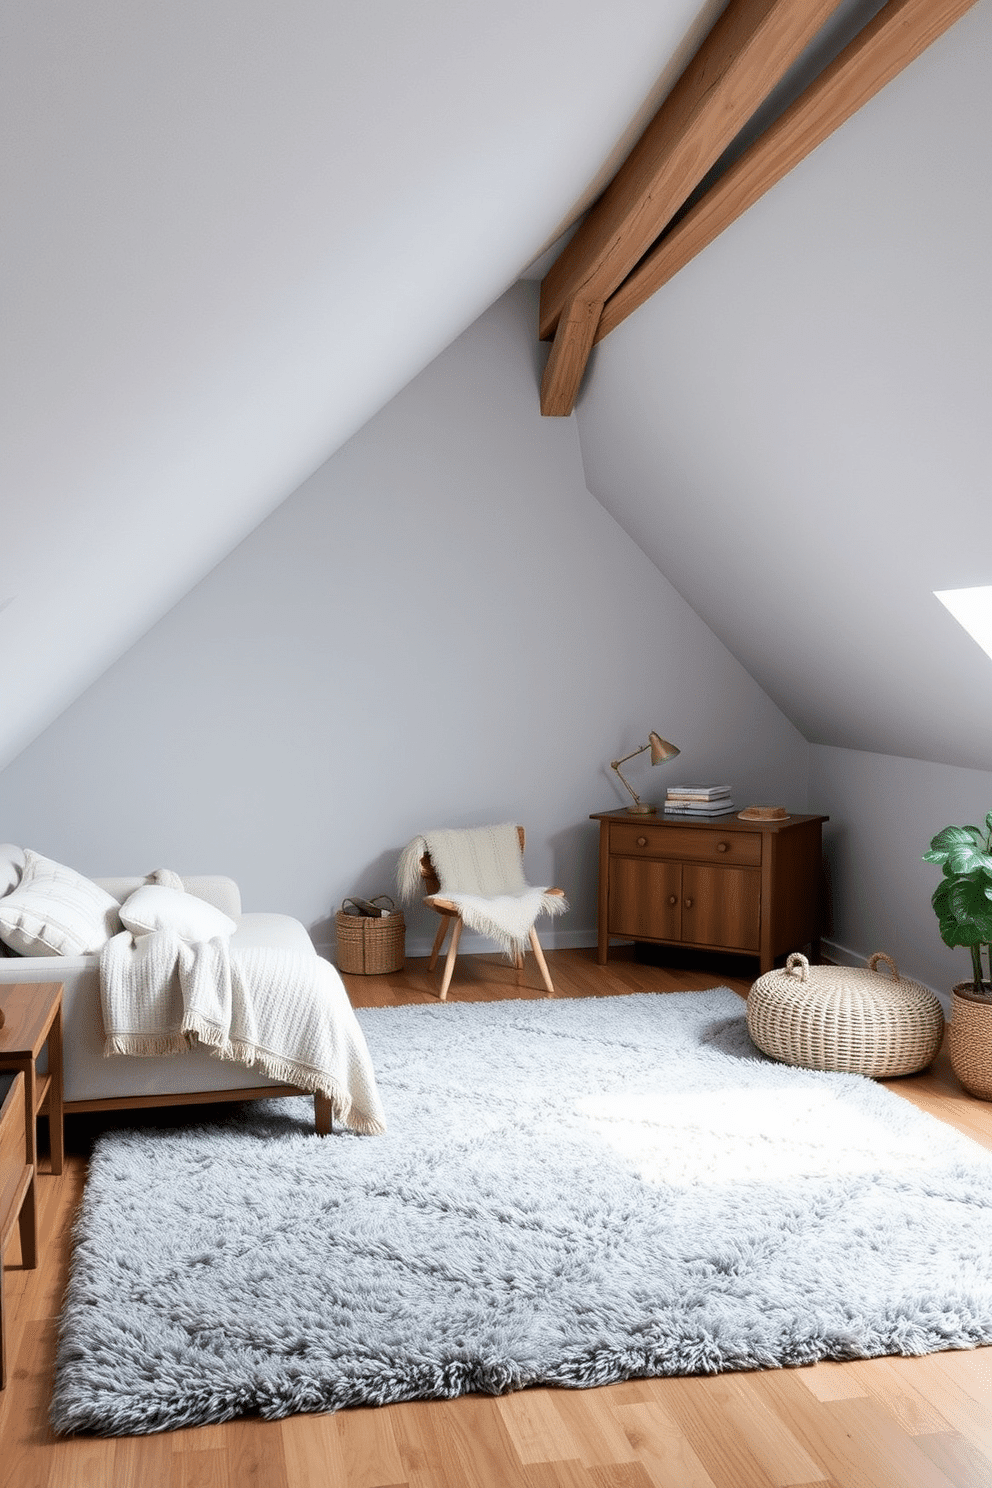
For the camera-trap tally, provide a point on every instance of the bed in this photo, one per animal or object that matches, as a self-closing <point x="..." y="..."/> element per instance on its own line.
<point x="94" y="1082"/>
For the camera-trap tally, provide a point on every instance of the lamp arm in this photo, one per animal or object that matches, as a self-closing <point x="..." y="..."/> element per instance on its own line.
<point x="615" y="765"/>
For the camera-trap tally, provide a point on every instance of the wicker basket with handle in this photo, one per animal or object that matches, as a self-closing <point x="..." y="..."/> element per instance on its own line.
<point x="371" y="945"/>
<point x="844" y="1018"/>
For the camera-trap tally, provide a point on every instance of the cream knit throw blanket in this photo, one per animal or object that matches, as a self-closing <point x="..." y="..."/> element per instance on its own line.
<point x="481" y="870"/>
<point x="283" y="1013"/>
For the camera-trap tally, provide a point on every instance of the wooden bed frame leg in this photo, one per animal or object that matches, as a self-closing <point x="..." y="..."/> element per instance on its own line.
<point x="322" y="1115"/>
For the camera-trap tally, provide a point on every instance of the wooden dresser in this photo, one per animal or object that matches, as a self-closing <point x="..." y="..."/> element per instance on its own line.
<point x="717" y="884"/>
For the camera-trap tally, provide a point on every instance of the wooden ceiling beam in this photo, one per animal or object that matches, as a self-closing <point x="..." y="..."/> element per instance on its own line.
<point x="568" y="357"/>
<point x="751" y="46"/>
<point x="897" y="35"/>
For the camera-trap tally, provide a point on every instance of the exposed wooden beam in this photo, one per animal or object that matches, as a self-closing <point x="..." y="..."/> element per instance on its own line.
<point x="750" y="47"/>
<point x="568" y="357"/>
<point x="897" y="35"/>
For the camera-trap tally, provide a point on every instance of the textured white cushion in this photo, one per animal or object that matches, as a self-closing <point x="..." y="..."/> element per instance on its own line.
<point x="55" y="911"/>
<point x="154" y="907"/>
<point x="11" y="864"/>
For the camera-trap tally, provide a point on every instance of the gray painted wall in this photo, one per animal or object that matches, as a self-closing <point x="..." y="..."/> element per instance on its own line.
<point x="884" y="811"/>
<point x="796" y="428"/>
<point x="441" y="627"/>
<point x="235" y="231"/>
<point x="796" y="431"/>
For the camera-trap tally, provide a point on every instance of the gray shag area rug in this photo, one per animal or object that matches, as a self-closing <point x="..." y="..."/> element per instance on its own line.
<point x="570" y="1192"/>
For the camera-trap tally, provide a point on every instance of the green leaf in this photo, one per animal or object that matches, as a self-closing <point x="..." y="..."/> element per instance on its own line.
<point x="952" y="836"/>
<point x="960" y="850"/>
<point x="964" y="911"/>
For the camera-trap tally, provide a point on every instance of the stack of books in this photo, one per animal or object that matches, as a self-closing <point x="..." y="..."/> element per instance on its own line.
<point x="698" y="800"/>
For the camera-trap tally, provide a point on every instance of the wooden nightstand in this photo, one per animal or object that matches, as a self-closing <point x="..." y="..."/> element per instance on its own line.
<point x="32" y="1019"/>
<point x="17" y="1195"/>
<point x="717" y="884"/>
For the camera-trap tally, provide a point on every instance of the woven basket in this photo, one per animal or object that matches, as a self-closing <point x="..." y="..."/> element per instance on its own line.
<point x="370" y="946"/>
<point x="842" y="1018"/>
<point x="970" y="1041"/>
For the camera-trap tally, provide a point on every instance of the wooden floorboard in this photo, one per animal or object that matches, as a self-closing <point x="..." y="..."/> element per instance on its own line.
<point x="884" y="1423"/>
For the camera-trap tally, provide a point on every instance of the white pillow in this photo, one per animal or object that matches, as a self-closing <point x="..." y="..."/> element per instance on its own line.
<point x="11" y="863"/>
<point x="55" y="911"/>
<point x="155" y="907"/>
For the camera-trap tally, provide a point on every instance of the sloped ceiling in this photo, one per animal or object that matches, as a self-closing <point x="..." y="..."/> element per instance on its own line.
<point x="796" y="428"/>
<point x="230" y="233"/>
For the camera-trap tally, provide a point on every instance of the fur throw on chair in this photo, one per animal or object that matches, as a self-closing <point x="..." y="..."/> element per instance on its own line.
<point x="481" y="870"/>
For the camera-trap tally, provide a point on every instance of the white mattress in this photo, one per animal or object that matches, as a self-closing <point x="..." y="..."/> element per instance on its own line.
<point x="89" y="1076"/>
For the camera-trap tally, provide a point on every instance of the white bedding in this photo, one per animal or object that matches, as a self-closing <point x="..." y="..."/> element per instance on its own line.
<point x="264" y="1007"/>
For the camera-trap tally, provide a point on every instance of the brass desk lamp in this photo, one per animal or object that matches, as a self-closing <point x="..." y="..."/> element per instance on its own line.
<point x="660" y="750"/>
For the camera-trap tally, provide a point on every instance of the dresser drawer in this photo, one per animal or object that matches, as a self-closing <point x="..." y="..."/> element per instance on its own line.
<point x="703" y="844"/>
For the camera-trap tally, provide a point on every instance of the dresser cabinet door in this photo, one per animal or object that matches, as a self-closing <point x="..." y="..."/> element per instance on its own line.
<point x="646" y="898"/>
<point x="721" y="906"/>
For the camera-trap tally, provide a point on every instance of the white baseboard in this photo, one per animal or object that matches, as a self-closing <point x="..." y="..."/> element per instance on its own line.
<point x="840" y="955"/>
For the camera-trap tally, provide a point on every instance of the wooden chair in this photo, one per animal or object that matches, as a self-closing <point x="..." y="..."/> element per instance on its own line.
<point x="451" y="919"/>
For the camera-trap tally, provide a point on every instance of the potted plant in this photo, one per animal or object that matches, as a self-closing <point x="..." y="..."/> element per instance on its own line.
<point x="962" y="902"/>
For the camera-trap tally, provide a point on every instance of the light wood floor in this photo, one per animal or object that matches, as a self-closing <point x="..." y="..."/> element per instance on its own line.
<point x="886" y="1423"/>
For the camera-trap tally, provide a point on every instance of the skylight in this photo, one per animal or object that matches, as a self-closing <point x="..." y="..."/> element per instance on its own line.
<point x="972" y="608"/>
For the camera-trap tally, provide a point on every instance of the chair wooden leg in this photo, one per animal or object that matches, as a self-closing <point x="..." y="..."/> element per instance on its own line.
<point x="449" y="964"/>
<point x="442" y="931"/>
<point x="535" y="945"/>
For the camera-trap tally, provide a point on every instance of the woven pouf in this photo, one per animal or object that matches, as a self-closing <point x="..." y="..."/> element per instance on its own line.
<point x="842" y="1018"/>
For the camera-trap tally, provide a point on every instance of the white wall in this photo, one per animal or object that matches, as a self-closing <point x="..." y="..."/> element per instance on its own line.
<point x="441" y="627"/>
<point x="884" y="810"/>
<point x="796" y="427"/>
<point x="230" y="232"/>
<point x="796" y="430"/>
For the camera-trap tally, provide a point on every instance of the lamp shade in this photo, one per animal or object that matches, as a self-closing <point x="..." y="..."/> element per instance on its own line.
<point x="661" y="749"/>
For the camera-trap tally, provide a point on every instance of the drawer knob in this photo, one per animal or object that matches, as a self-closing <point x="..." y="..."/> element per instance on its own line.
<point x="673" y="898"/>
<point x="642" y="842"/>
<point x="723" y="846"/>
<point x="688" y="904"/>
